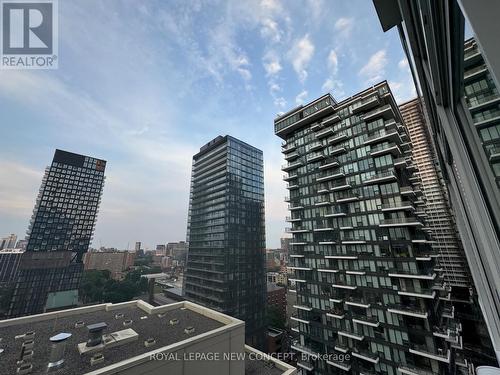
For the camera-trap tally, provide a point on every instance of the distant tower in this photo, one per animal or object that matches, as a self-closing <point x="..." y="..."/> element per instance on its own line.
<point x="59" y="235"/>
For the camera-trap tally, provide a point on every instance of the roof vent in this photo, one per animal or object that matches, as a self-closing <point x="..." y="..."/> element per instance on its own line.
<point x="161" y="315"/>
<point x="183" y="308"/>
<point x="2" y="350"/>
<point x="29" y="335"/>
<point x="149" y="342"/>
<point x="174" y="321"/>
<point x="24" y="368"/>
<point x="189" y="330"/>
<point x="144" y="317"/>
<point x="26" y="354"/>
<point x="58" y="347"/>
<point x="96" y="358"/>
<point x="127" y="322"/>
<point x="95" y="334"/>
<point x="29" y="344"/>
<point x="119" y="316"/>
<point x="79" y="324"/>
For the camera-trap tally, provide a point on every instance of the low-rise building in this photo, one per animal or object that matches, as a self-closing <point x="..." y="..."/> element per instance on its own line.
<point x="276" y="296"/>
<point x="132" y="338"/>
<point x="117" y="262"/>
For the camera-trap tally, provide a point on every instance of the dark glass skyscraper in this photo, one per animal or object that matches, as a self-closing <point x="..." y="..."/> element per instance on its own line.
<point x="365" y="274"/>
<point x="59" y="234"/>
<point x="226" y="257"/>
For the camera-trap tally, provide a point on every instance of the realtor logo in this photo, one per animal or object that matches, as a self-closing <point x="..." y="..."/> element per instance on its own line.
<point x="29" y="34"/>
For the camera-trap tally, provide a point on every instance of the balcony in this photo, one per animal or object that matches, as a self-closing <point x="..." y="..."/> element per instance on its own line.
<point x="412" y="370"/>
<point x="331" y="120"/>
<point x="419" y="293"/>
<point x="365" y="320"/>
<point x="365" y="355"/>
<point x="324" y="133"/>
<point x="400" y="206"/>
<point x="341" y="348"/>
<point x="383" y="136"/>
<point x="351" y="335"/>
<point x="385" y="112"/>
<point x="315" y="156"/>
<point x="336" y="213"/>
<point x="448" y="312"/>
<point x="381" y="177"/>
<point x="292" y="186"/>
<point x="338" y="138"/>
<point x="330" y="176"/>
<point x="304" y="349"/>
<point x="407" y="190"/>
<point x="329" y="163"/>
<point x="494" y="153"/>
<point x="413" y="311"/>
<point x="336" y="313"/>
<point x="423" y="351"/>
<point x="476" y="104"/>
<point x="297" y="229"/>
<point x="291" y="156"/>
<point x="328" y="241"/>
<point x="288" y="147"/>
<point x="423" y="275"/>
<point x="290" y="166"/>
<point x="293" y="219"/>
<point x="322" y="201"/>
<point x="341" y="187"/>
<point x="385" y="148"/>
<point x="366" y="103"/>
<point x="358" y="302"/>
<point x="295" y="206"/>
<point x="347" y="199"/>
<point x="402" y="163"/>
<point x="316" y="145"/>
<point x="337" y="150"/>
<point x="401" y="222"/>
<point x="341" y="365"/>
<point x="343" y="285"/>
<point x="291" y="176"/>
<point x="303" y="307"/>
<point x="342" y="256"/>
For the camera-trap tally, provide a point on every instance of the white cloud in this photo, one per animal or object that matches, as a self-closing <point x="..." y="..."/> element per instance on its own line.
<point x="280" y="102"/>
<point x="374" y="69"/>
<point x="333" y="62"/>
<point x="300" y="55"/>
<point x="344" y="26"/>
<point x="300" y="99"/>
<point x="270" y="30"/>
<point x="271" y="63"/>
<point x="274" y="87"/>
<point x="335" y="87"/>
<point x="403" y="64"/>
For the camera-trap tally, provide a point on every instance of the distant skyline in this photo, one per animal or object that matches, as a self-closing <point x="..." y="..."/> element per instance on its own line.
<point x="145" y="87"/>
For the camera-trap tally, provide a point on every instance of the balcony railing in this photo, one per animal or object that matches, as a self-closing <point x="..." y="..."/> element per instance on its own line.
<point x="383" y="135"/>
<point x="401" y="222"/>
<point x="381" y="177"/>
<point x="424" y="351"/>
<point x="408" y="310"/>
<point x="385" y="111"/>
<point x="290" y="166"/>
<point x="400" y="206"/>
<point x="385" y="148"/>
<point x="366" y="355"/>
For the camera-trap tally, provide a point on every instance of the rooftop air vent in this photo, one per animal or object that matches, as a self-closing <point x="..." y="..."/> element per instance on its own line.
<point x="189" y="330"/>
<point x="2" y="350"/>
<point x="58" y="347"/>
<point x="29" y="335"/>
<point x="119" y="316"/>
<point x="27" y="354"/>
<point x="28" y="344"/>
<point x="96" y="358"/>
<point x="127" y="322"/>
<point x="79" y="324"/>
<point x="161" y="315"/>
<point x="174" y="321"/>
<point x="95" y="334"/>
<point x="149" y="342"/>
<point x="144" y="317"/>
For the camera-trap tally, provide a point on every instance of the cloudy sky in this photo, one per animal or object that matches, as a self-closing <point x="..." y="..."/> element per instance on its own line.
<point x="143" y="84"/>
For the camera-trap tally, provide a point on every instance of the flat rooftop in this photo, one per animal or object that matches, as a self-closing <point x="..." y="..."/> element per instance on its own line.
<point x="147" y="322"/>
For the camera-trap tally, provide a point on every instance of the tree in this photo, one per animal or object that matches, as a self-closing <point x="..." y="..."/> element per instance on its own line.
<point x="275" y="317"/>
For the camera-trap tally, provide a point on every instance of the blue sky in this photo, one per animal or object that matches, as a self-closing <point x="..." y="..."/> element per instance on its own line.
<point x="143" y="84"/>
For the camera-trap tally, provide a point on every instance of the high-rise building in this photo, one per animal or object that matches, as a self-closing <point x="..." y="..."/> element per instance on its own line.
<point x="138" y="246"/>
<point x="460" y="91"/>
<point x="364" y="271"/>
<point x="226" y="235"/>
<point x="437" y="211"/>
<point x="60" y="232"/>
<point x="9" y="263"/>
<point x="8" y="242"/>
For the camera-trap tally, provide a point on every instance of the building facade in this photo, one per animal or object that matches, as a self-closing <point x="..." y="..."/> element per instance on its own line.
<point x="8" y="242"/>
<point x="59" y="234"/>
<point x="365" y="274"/>
<point x="437" y="211"/>
<point x="276" y="296"/>
<point x="461" y="103"/>
<point x="9" y="263"/>
<point x="226" y="256"/>
<point x="115" y="262"/>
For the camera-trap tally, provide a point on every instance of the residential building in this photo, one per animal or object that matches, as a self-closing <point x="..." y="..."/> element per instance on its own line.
<point x="178" y="250"/>
<point x="364" y="270"/>
<point x="138" y="246"/>
<point x="8" y="242"/>
<point x="117" y="262"/>
<point x="277" y="278"/>
<point x="226" y="256"/>
<point x="461" y="98"/>
<point x="9" y="263"/>
<point x="275" y="340"/>
<point x="437" y="211"/>
<point x="276" y="297"/>
<point x="59" y="234"/>
<point x="133" y="338"/>
<point x="21" y="244"/>
<point x="161" y="250"/>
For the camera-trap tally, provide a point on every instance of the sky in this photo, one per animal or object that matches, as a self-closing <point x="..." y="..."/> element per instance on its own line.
<point x="144" y="84"/>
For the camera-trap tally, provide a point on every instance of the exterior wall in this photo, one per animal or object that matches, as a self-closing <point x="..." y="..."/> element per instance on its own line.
<point x="361" y="257"/>
<point x="226" y="258"/>
<point x="276" y="296"/>
<point x="115" y="262"/>
<point x="9" y="263"/>
<point x="471" y="181"/>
